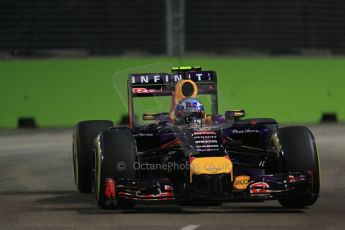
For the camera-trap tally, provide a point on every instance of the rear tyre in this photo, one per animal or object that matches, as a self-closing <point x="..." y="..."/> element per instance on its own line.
<point x="83" y="138"/>
<point x="300" y="154"/>
<point x="115" y="155"/>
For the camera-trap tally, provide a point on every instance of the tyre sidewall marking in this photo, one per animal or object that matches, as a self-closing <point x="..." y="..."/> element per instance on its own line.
<point x="75" y="150"/>
<point x="98" y="168"/>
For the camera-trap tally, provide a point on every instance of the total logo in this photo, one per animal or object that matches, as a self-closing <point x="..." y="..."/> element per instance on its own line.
<point x="241" y="182"/>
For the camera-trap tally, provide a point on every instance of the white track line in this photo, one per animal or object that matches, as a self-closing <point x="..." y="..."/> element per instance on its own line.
<point x="190" y="227"/>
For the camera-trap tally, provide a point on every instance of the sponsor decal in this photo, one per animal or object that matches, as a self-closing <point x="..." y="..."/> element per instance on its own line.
<point x="206" y="141"/>
<point x="241" y="182"/>
<point x="168" y="188"/>
<point x="159" y="78"/>
<point x="236" y="131"/>
<point x="294" y="179"/>
<point x="109" y="188"/>
<point x="144" y="90"/>
<point x="291" y="179"/>
<point x="207" y="146"/>
<point x="209" y="165"/>
<point x="145" y="134"/>
<point x="203" y="133"/>
<point x="204" y="137"/>
<point x="150" y="78"/>
<point x="259" y="188"/>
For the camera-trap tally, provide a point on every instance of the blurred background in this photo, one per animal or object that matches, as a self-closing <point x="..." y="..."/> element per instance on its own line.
<point x="282" y="59"/>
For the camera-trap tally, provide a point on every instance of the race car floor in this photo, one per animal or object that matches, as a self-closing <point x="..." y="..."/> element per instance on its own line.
<point x="37" y="192"/>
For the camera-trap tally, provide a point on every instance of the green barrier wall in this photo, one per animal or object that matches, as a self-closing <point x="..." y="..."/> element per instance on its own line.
<point x="58" y="93"/>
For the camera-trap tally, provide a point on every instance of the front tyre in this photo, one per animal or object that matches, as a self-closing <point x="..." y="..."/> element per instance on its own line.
<point x="115" y="156"/>
<point x="83" y="138"/>
<point x="300" y="154"/>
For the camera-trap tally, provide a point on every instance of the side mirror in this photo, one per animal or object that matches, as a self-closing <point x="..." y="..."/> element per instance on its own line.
<point x="234" y="114"/>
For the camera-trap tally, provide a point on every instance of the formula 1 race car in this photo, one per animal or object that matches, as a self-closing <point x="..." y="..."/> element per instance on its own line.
<point x="189" y="155"/>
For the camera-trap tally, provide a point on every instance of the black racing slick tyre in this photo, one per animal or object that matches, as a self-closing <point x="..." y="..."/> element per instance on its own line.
<point x="300" y="154"/>
<point x="115" y="157"/>
<point x="83" y="139"/>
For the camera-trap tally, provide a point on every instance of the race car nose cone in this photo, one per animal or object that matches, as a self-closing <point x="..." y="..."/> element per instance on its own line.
<point x="210" y="165"/>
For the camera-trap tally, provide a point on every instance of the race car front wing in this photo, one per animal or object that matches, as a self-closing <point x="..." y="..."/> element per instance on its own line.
<point x="259" y="187"/>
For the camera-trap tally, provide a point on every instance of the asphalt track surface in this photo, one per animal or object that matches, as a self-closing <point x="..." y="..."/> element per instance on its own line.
<point x="37" y="192"/>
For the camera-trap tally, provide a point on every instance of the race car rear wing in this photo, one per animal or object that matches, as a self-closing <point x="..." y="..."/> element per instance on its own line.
<point x="163" y="84"/>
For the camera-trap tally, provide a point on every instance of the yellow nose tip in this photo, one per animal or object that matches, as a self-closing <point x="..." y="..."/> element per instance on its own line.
<point x="210" y="165"/>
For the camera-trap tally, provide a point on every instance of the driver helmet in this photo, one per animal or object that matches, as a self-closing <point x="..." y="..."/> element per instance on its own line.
<point x="189" y="111"/>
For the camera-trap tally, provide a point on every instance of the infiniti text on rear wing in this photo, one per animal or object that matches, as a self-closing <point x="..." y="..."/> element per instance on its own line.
<point x="163" y="84"/>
